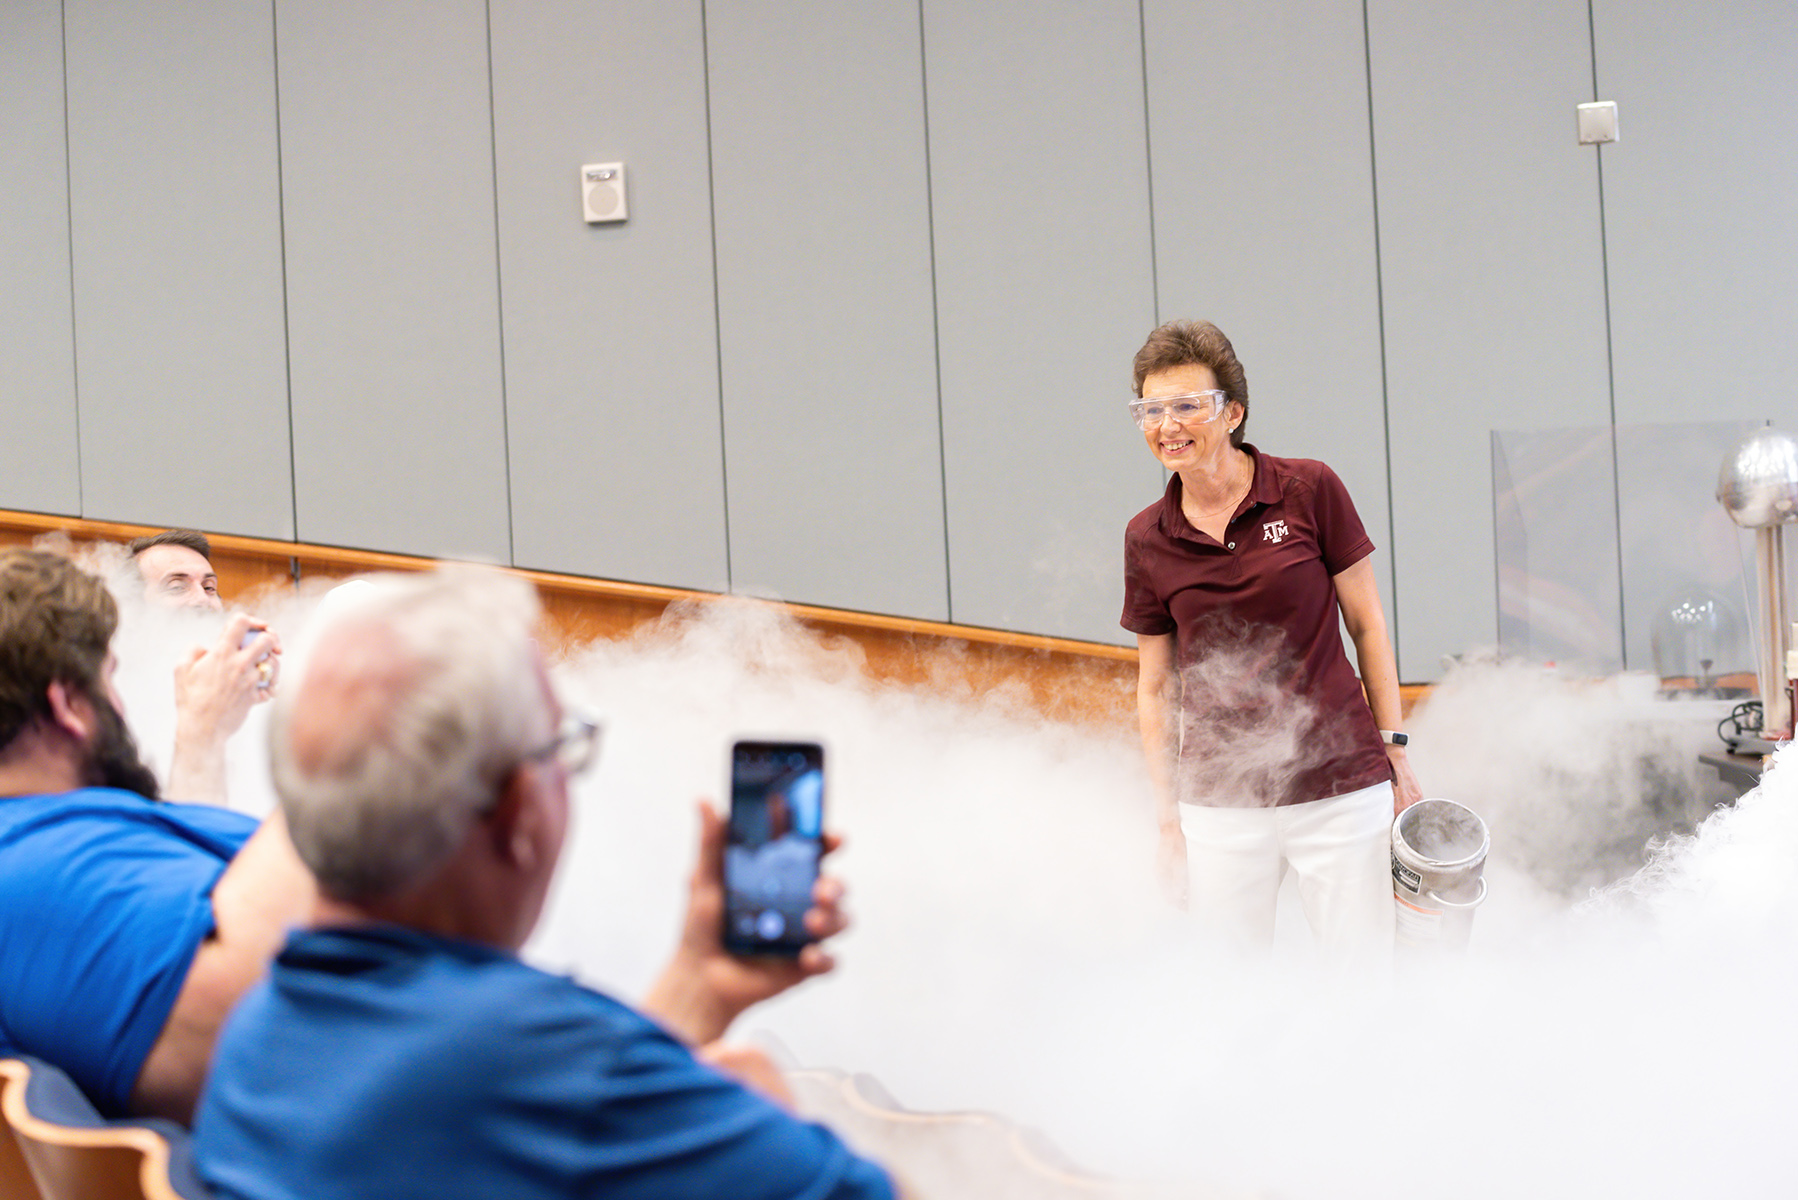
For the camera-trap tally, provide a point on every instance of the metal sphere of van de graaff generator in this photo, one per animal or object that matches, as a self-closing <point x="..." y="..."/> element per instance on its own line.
<point x="1758" y="485"/>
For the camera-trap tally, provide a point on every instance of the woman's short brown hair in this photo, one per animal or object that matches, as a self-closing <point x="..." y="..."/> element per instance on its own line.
<point x="56" y="622"/>
<point x="1185" y="343"/>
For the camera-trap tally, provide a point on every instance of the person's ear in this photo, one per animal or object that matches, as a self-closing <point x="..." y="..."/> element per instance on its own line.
<point x="514" y="819"/>
<point x="71" y="710"/>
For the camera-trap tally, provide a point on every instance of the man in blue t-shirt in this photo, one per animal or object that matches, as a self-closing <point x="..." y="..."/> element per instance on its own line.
<point x="399" y="1047"/>
<point x="128" y="927"/>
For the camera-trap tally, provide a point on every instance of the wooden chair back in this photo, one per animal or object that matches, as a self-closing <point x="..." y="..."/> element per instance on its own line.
<point x="16" y="1182"/>
<point x="75" y="1154"/>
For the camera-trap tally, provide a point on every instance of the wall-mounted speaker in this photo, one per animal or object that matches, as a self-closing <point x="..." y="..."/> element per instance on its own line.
<point x="602" y="192"/>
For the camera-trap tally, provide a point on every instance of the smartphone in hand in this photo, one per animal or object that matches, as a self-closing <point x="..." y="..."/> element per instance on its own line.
<point x="773" y="846"/>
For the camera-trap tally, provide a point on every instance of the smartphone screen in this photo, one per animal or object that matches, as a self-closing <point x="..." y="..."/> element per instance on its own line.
<point x="774" y="844"/>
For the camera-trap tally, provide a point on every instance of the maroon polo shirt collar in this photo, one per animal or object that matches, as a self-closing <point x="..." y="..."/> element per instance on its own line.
<point x="1266" y="486"/>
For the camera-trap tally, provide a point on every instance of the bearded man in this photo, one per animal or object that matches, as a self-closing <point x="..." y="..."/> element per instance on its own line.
<point x="128" y="926"/>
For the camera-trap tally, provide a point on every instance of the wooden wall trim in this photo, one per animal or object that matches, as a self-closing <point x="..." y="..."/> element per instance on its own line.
<point x="1063" y="679"/>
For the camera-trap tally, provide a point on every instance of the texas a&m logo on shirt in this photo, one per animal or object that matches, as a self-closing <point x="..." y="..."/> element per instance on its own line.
<point x="1273" y="531"/>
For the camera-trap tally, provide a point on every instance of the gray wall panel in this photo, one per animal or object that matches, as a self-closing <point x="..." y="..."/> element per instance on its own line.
<point x="175" y="208"/>
<point x="39" y="459"/>
<point x="1493" y="281"/>
<point x="833" y="449"/>
<point x="387" y="155"/>
<point x="1701" y="211"/>
<point x="442" y="294"/>
<point x="1264" y="223"/>
<point x="610" y="330"/>
<point x="1044" y="290"/>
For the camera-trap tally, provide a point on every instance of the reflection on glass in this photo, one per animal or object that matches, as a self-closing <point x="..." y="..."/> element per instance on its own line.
<point x="1556" y="526"/>
<point x="1613" y="553"/>
<point x="1697" y="635"/>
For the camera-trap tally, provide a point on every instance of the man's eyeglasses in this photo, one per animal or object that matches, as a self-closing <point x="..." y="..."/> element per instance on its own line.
<point x="575" y="746"/>
<point x="1193" y="408"/>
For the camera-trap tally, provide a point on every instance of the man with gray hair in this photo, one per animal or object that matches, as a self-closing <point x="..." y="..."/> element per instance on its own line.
<point x="399" y="1047"/>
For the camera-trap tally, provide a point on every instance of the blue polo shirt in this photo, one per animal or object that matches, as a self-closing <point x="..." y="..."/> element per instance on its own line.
<point x="378" y="1063"/>
<point x="105" y="897"/>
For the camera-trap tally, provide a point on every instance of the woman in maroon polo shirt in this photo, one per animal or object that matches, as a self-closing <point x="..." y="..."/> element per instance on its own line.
<point x="1279" y="756"/>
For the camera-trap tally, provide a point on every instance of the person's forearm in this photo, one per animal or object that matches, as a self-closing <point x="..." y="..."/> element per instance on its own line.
<point x="1379" y="677"/>
<point x="1158" y="752"/>
<point x="197" y="766"/>
<point x="681" y="1001"/>
<point x="1379" y="680"/>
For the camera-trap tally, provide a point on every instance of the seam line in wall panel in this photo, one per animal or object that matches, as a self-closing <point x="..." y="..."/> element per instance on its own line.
<point x="1379" y="294"/>
<point x="1604" y="262"/>
<point x="1492" y="454"/>
<point x="1148" y="163"/>
<point x="68" y="200"/>
<point x="1148" y="166"/>
<point x="711" y="191"/>
<point x="293" y="457"/>
<point x="936" y="324"/>
<point x="499" y="295"/>
<point x="1610" y="358"/>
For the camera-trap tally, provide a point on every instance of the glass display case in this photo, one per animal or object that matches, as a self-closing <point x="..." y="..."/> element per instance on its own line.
<point x="1613" y="554"/>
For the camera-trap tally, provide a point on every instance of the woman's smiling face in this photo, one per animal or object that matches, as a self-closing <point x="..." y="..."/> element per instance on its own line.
<point x="1183" y="445"/>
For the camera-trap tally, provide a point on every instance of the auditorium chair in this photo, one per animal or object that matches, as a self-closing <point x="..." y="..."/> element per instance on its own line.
<point x="73" y="1153"/>
<point x="16" y="1182"/>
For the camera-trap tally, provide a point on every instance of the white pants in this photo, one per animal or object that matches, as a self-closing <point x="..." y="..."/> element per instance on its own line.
<point x="1341" y="850"/>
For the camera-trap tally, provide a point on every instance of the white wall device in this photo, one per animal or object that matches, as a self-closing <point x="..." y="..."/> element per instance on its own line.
<point x="602" y="192"/>
<point x="1597" y="122"/>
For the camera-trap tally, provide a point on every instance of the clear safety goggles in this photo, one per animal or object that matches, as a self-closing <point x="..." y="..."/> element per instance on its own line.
<point x="1193" y="408"/>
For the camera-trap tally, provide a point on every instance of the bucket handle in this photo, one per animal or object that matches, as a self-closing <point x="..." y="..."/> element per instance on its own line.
<point x="1474" y="903"/>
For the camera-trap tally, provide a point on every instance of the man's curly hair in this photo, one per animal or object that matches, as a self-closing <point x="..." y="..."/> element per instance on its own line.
<point x="56" y="622"/>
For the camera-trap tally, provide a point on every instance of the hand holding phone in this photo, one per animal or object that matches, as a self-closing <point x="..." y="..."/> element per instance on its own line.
<point x="705" y="985"/>
<point x="774" y="844"/>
